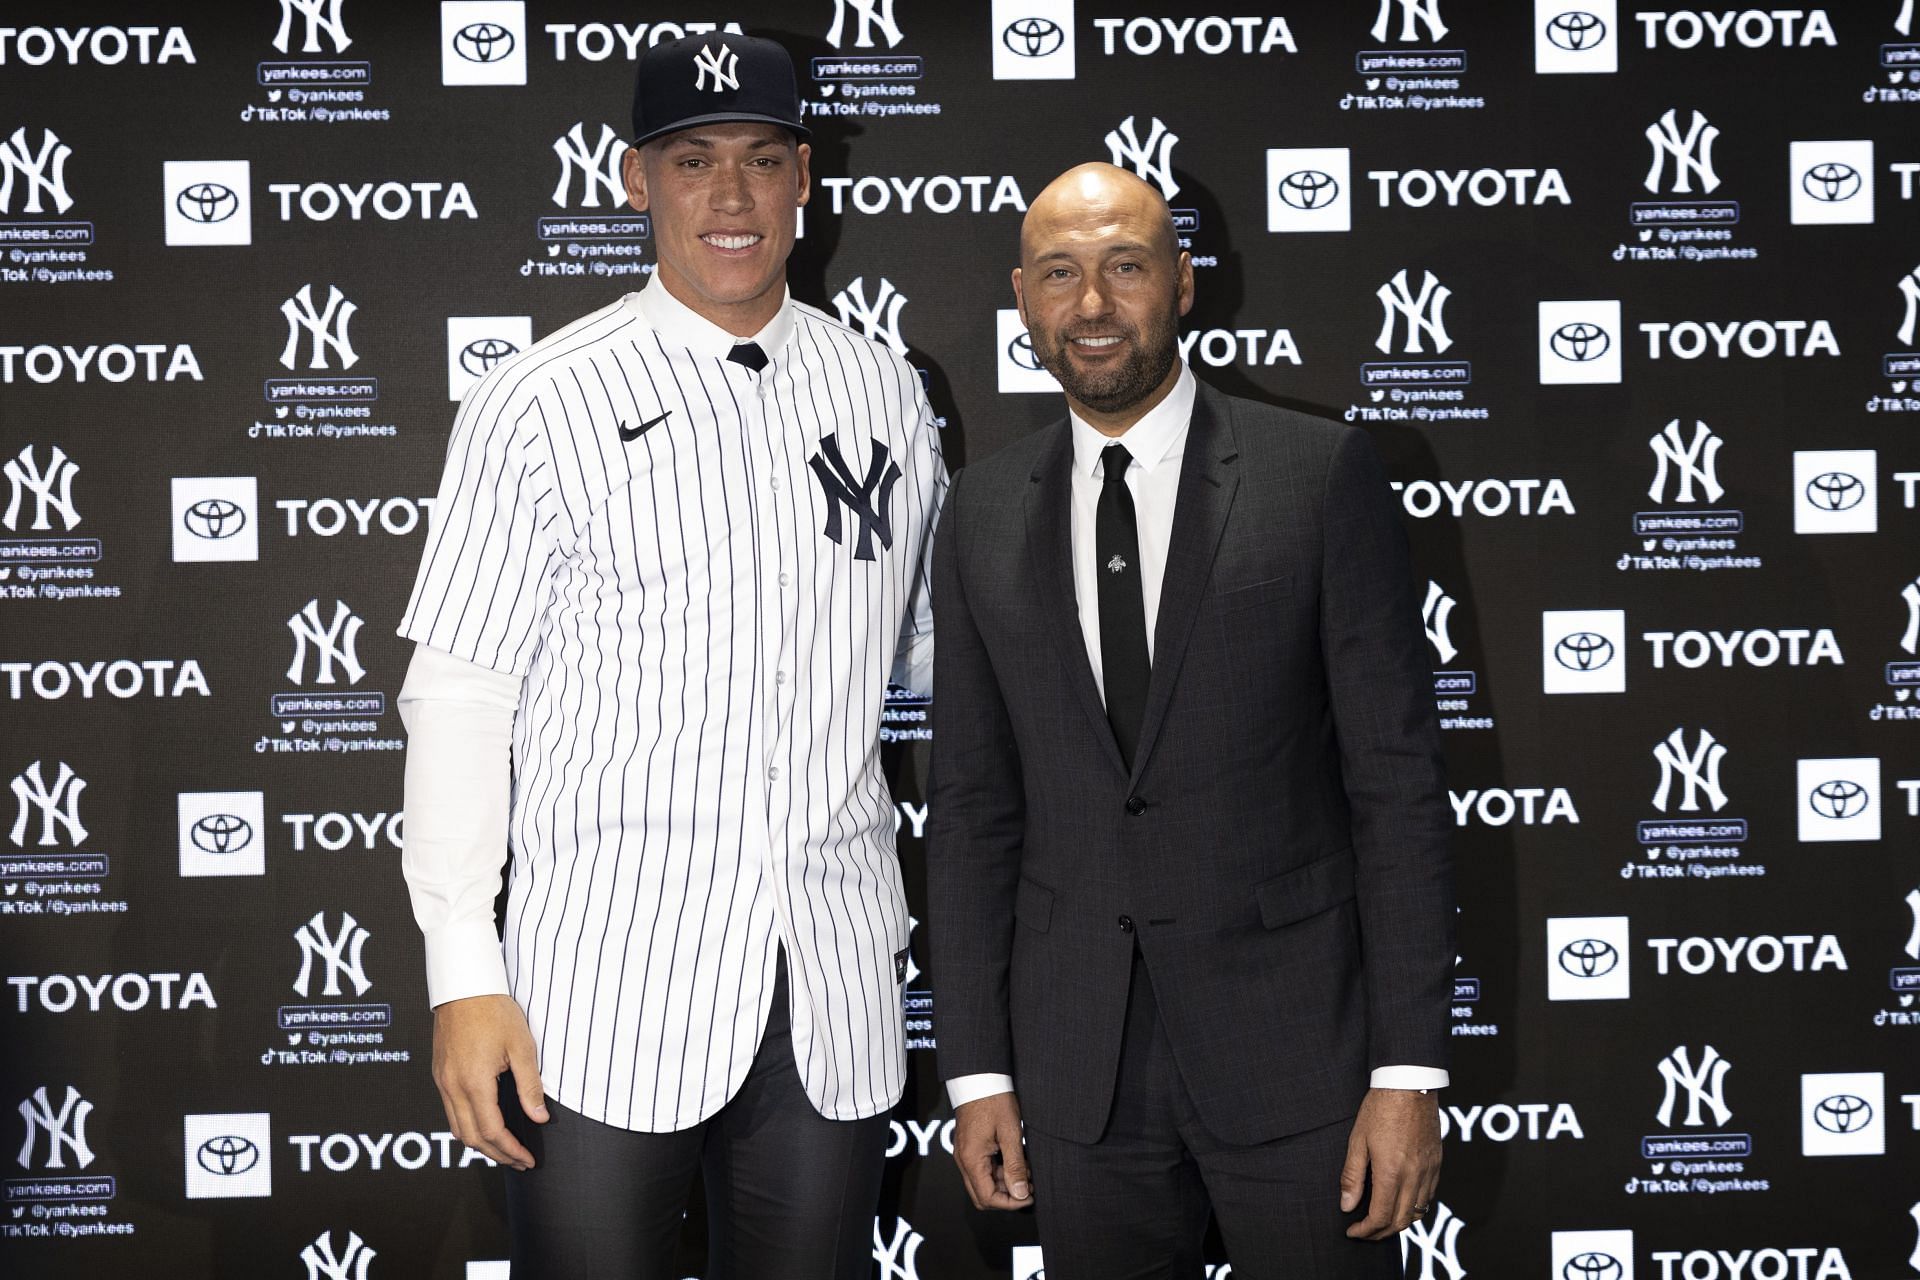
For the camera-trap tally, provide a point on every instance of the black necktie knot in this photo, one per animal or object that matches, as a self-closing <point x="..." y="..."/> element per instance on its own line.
<point x="748" y="354"/>
<point x="1115" y="460"/>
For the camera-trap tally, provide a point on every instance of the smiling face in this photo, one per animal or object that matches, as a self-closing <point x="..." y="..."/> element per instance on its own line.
<point x="722" y="199"/>
<point x="1102" y="284"/>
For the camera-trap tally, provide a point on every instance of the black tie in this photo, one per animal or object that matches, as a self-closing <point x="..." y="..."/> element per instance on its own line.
<point x="748" y="354"/>
<point x="1124" y="664"/>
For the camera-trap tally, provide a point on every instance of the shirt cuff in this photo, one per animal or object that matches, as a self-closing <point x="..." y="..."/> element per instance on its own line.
<point x="964" y="1089"/>
<point x="464" y="959"/>
<point x="1408" y="1078"/>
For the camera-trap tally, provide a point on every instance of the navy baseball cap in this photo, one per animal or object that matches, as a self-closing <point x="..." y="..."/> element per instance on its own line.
<point x="714" y="79"/>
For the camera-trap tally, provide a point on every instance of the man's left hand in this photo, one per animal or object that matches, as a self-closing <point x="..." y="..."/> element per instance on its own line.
<point x="1396" y="1139"/>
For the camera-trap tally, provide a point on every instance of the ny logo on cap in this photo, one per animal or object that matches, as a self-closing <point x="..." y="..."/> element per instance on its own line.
<point x="724" y="65"/>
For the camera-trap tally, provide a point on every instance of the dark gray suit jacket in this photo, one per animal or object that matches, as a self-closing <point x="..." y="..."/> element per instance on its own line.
<point x="1279" y="850"/>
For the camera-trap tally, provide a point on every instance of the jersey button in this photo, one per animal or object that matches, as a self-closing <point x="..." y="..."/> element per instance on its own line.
<point x="779" y="677"/>
<point x="785" y="580"/>
<point x="773" y="772"/>
<point x="775" y="482"/>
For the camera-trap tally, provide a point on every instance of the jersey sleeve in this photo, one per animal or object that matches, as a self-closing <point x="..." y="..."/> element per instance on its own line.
<point x="486" y="572"/>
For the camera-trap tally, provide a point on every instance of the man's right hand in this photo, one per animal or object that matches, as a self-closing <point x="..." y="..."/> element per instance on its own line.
<point x="474" y="1040"/>
<point x="983" y="1129"/>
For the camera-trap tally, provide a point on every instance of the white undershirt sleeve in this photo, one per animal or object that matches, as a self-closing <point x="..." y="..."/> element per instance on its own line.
<point x="459" y="719"/>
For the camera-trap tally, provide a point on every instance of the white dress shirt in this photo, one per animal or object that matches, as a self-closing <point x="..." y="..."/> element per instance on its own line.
<point x="1158" y="443"/>
<point x="654" y="622"/>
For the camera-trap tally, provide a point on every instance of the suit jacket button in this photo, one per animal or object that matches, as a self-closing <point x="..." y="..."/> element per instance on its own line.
<point x="1126" y="924"/>
<point x="1136" y="806"/>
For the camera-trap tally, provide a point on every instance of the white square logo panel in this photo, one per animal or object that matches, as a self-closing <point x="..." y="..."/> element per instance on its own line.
<point x="1575" y="36"/>
<point x="483" y="42"/>
<point x="1583" y="651"/>
<point x="1589" y="958"/>
<point x="1580" y="341"/>
<point x="229" y="1156"/>
<point x="1309" y="189"/>
<point x="1836" y="490"/>
<point x="215" y="518"/>
<point x="1592" y="1255"/>
<point x="1033" y="40"/>
<point x="1019" y="368"/>
<point x="1839" y="799"/>
<point x="222" y="833"/>
<point x="207" y="201"/>
<point x="475" y="344"/>
<point x="1832" y="182"/>
<point x="1843" y="1114"/>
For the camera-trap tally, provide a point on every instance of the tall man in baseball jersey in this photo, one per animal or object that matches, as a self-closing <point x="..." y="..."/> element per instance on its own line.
<point x="1188" y="879"/>
<point x="678" y="552"/>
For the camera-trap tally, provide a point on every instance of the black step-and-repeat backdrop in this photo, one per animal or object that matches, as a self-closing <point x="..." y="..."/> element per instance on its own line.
<point x="1627" y="292"/>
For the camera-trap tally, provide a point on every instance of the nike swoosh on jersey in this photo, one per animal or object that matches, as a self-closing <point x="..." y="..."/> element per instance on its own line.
<point x="629" y="434"/>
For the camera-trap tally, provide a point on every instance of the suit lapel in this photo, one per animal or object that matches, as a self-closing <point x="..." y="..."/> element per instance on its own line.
<point x="1208" y="480"/>
<point x="1049" y="513"/>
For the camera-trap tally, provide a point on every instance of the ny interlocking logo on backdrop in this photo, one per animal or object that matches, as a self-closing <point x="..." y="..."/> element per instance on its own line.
<point x="41" y="173"/>
<point x="55" y="805"/>
<point x="58" y="1137"/>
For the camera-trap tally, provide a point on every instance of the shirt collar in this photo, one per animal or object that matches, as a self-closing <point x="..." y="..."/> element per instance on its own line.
<point x="1151" y="441"/>
<point x="668" y="315"/>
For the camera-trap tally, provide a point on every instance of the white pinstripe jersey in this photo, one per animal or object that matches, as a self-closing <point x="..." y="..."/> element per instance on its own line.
<point x="705" y="617"/>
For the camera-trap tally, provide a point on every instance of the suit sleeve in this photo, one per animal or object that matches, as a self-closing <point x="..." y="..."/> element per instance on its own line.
<point x="975" y="827"/>
<point x="1381" y="685"/>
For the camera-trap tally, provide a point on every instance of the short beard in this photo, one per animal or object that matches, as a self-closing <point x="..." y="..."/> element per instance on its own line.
<point x="1115" y="390"/>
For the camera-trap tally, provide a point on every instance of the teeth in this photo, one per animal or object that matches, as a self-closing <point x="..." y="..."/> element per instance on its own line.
<point x="731" y="242"/>
<point x="1096" y="342"/>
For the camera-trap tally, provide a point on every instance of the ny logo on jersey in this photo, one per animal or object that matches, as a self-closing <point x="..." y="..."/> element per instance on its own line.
<point x="339" y="951"/>
<point x="1705" y="1086"/>
<point x="52" y="489"/>
<point x="723" y="66"/>
<point x="1422" y="314"/>
<point x="321" y="15"/>
<point x="598" y="166"/>
<point x="1151" y="158"/>
<point x="66" y="1130"/>
<point x="328" y="328"/>
<point x="1692" y="462"/>
<point x="1692" y="155"/>
<point x="44" y="171"/>
<point x="324" y="1264"/>
<point x="58" y="805"/>
<point x="1698" y="769"/>
<point x="870" y="499"/>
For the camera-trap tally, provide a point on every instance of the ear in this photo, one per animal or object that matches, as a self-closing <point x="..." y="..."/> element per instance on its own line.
<point x="633" y="173"/>
<point x="803" y="155"/>
<point x="1020" y="298"/>
<point x="1186" y="282"/>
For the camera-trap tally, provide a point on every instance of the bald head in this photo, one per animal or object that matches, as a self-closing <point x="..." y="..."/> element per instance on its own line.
<point x="1098" y="199"/>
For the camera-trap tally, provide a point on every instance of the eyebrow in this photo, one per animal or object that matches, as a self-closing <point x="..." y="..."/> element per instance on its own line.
<point x="1124" y="247"/>
<point x="707" y="144"/>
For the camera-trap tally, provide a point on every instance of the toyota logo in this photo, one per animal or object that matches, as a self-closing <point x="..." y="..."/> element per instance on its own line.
<point x="1576" y="31"/>
<point x="214" y="518"/>
<point x="1589" y="958"/>
<point x="483" y="42"/>
<point x="1592" y="1266"/>
<point x="1831" y="182"/>
<point x="1835" y="491"/>
<point x="1842" y="1113"/>
<point x="1309" y="189"/>
<point x="1579" y="341"/>
<point x="207" y="202"/>
<point x="1033" y="37"/>
<point x="482" y="354"/>
<point x="1583" y="651"/>
<point x="1020" y="351"/>
<point x="228" y="1155"/>
<point x="221" y="833"/>
<point x="1838" y="798"/>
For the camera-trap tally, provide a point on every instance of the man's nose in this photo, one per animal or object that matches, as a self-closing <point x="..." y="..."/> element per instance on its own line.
<point x="729" y="192"/>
